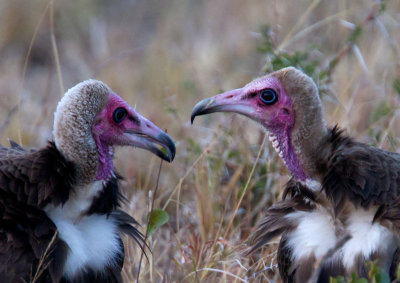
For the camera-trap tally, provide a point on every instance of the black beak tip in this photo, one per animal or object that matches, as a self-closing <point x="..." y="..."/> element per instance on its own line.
<point x="201" y="108"/>
<point x="168" y="154"/>
<point x="171" y="154"/>
<point x="167" y="158"/>
<point x="197" y="110"/>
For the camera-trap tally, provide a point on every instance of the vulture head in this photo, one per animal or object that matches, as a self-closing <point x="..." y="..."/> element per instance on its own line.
<point x="90" y="119"/>
<point x="286" y="103"/>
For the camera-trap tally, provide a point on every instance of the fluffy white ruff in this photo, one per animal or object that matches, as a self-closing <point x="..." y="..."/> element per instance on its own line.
<point x="93" y="240"/>
<point x="367" y="237"/>
<point x="315" y="234"/>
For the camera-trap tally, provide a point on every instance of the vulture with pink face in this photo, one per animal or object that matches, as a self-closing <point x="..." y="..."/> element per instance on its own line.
<point x="341" y="207"/>
<point x="60" y="219"/>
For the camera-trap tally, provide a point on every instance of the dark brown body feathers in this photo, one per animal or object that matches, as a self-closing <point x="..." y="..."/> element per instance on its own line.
<point x="364" y="174"/>
<point x="350" y="172"/>
<point x="29" y="180"/>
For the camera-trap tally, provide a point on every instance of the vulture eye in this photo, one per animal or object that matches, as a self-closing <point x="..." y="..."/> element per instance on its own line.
<point x="119" y="114"/>
<point x="268" y="96"/>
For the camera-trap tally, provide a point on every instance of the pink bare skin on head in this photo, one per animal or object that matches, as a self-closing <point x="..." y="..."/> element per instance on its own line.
<point x="105" y="128"/>
<point x="119" y="124"/>
<point x="265" y="101"/>
<point x="277" y="116"/>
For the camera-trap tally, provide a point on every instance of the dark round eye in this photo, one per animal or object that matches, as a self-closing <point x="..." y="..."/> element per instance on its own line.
<point x="119" y="114"/>
<point x="268" y="96"/>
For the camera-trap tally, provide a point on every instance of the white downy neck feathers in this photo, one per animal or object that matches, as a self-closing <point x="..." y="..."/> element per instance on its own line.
<point x="93" y="240"/>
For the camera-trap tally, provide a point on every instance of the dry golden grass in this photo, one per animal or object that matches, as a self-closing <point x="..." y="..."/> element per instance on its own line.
<point x="164" y="56"/>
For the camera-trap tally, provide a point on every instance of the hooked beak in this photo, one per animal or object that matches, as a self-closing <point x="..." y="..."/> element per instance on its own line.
<point x="146" y="135"/>
<point x="230" y="101"/>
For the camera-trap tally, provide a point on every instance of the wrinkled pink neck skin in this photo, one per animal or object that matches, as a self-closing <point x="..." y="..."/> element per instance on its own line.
<point x="279" y="123"/>
<point x="105" y="133"/>
<point x="105" y="166"/>
<point x="287" y="154"/>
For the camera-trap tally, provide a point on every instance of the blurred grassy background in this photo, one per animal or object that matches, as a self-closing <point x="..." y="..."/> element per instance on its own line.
<point x="163" y="57"/>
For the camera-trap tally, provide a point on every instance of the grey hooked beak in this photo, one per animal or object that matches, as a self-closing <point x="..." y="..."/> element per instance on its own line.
<point x="148" y="141"/>
<point x="144" y="134"/>
<point x="230" y="101"/>
<point x="168" y="154"/>
<point x="203" y="107"/>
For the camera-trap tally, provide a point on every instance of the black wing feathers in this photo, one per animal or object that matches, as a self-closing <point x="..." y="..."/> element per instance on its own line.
<point x="28" y="181"/>
<point x="126" y="225"/>
<point x="285" y="263"/>
<point x="36" y="178"/>
<point x="25" y="234"/>
<point x="109" y="200"/>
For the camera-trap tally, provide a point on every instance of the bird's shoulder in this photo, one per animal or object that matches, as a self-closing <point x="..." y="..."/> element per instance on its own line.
<point x="35" y="177"/>
<point x="365" y="174"/>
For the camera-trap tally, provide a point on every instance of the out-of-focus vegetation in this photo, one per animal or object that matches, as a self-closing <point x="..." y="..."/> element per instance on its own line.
<point x="163" y="57"/>
<point x="375" y="275"/>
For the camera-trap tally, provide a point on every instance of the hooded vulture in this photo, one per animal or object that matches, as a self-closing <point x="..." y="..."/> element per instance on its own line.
<point x="341" y="207"/>
<point x="60" y="219"/>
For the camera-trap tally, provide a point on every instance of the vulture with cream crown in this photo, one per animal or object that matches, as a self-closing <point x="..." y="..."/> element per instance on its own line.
<point x="60" y="219"/>
<point x="341" y="207"/>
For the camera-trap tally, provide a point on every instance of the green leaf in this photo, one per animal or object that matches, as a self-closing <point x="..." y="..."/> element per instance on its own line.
<point x="381" y="277"/>
<point x="158" y="218"/>
<point x="376" y="274"/>
<point x="339" y="279"/>
<point x="354" y="279"/>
